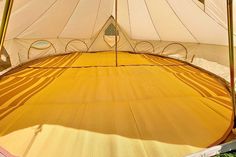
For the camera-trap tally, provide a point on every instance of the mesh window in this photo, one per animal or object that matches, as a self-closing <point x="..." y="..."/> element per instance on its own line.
<point x="111" y="30"/>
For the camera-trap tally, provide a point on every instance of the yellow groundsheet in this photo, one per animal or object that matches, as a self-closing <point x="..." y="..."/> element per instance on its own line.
<point x="93" y="59"/>
<point x="160" y="108"/>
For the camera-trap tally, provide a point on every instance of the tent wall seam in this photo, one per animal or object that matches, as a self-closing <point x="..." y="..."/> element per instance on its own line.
<point x="124" y="33"/>
<point x="37" y="18"/>
<point x="69" y="18"/>
<point x="129" y="19"/>
<point x="182" y="21"/>
<point x="113" y="7"/>
<point x="18" y="8"/>
<point x="99" y="32"/>
<point x="13" y="12"/>
<point x="224" y="27"/>
<point x="99" y="6"/>
<point x="152" y="20"/>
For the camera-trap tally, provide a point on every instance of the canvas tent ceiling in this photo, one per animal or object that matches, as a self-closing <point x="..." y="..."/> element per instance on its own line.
<point x="166" y="20"/>
<point x="160" y="22"/>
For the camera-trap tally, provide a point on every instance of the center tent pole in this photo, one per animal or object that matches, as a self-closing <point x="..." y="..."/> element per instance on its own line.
<point x="231" y="50"/>
<point x="116" y="49"/>
<point x="5" y="21"/>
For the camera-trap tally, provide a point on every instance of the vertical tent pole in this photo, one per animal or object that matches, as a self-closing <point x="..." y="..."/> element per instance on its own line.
<point x="231" y="49"/>
<point x="5" y="21"/>
<point x="116" y="32"/>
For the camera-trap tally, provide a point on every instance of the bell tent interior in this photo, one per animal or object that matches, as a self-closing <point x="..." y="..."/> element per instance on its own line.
<point x="115" y="78"/>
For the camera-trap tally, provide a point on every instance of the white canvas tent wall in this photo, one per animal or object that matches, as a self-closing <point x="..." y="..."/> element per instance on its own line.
<point x="202" y="29"/>
<point x="157" y="21"/>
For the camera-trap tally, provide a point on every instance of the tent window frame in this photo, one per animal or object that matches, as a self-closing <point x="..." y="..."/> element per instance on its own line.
<point x="41" y="45"/>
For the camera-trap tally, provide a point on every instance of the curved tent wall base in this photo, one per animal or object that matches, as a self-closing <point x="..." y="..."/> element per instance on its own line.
<point x="81" y="104"/>
<point x="17" y="49"/>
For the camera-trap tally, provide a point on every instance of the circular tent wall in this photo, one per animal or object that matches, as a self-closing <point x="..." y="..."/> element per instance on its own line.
<point x="81" y="104"/>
